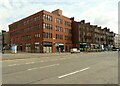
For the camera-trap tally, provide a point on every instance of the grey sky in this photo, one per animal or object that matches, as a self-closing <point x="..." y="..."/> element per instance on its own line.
<point x="98" y="12"/>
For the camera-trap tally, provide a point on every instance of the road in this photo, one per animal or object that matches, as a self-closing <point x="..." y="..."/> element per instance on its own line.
<point x="82" y="68"/>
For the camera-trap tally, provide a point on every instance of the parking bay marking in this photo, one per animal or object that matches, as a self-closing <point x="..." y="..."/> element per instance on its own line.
<point x="73" y="73"/>
<point x="44" y="67"/>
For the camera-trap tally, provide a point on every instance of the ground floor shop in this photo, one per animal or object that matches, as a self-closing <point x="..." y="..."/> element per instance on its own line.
<point x="44" y="47"/>
<point x="91" y="47"/>
<point x="47" y="47"/>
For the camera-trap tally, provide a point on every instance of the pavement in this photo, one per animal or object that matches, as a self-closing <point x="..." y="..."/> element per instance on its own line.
<point x="81" y="68"/>
<point x="12" y="56"/>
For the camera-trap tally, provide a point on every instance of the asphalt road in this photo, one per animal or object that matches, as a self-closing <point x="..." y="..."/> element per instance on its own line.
<point x="83" y="68"/>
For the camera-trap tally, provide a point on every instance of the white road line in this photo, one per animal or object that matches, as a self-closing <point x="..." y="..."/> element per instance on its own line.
<point x="54" y="60"/>
<point x="13" y="64"/>
<point x="32" y="69"/>
<point x="41" y="61"/>
<point x="10" y="61"/>
<point x="62" y="58"/>
<point x="16" y="60"/>
<point x="30" y="63"/>
<point x="69" y="58"/>
<point x="73" y="73"/>
<point x="44" y="67"/>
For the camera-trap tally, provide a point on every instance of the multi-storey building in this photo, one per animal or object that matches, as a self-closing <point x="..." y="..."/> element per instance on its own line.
<point x="90" y="37"/>
<point x="108" y="38"/>
<point x="83" y="35"/>
<point x="0" y="41"/>
<point x="42" y="32"/>
<point x="6" y="39"/>
<point x="117" y="40"/>
<point x="52" y="32"/>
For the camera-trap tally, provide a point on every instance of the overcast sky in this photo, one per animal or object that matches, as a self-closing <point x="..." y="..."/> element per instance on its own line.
<point x="103" y="13"/>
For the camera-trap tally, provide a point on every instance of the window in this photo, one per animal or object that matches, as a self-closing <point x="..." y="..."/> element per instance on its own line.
<point x="47" y="35"/>
<point x="47" y="26"/>
<point x="43" y="26"/>
<point x="27" y="21"/>
<point x="24" y="22"/>
<point x="59" y="36"/>
<point x="47" y="17"/>
<point x="58" y="20"/>
<point x="37" y="27"/>
<point x="66" y="30"/>
<point x="28" y="37"/>
<point x="68" y="38"/>
<point x="67" y="23"/>
<point x="36" y="18"/>
<point x="58" y="28"/>
<point x="37" y="35"/>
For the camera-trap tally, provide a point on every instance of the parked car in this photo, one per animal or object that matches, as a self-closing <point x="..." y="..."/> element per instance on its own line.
<point x="74" y="50"/>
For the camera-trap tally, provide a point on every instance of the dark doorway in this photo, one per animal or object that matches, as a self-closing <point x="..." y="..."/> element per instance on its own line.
<point x="20" y="47"/>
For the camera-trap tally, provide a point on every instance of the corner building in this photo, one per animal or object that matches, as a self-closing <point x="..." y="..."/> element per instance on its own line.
<point x="42" y="32"/>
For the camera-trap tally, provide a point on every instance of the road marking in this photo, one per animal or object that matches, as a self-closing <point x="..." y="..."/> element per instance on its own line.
<point x="73" y="73"/>
<point x="30" y="63"/>
<point x="41" y="61"/>
<point x="32" y="69"/>
<point x="53" y="59"/>
<point x="69" y="58"/>
<point x="44" y="67"/>
<point x="10" y="61"/>
<point x="62" y="58"/>
<point x="15" y="60"/>
<point x="13" y="64"/>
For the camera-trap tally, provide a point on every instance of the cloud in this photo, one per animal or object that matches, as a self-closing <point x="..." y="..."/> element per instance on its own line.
<point x="99" y="12"/>
<point x="102" y="15"/>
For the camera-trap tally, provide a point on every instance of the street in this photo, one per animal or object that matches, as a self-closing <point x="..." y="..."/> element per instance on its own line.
<point x="80" y="68"/>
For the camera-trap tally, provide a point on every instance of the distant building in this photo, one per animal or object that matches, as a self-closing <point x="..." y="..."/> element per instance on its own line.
<point x="90" y="37"/>
<point x="117" y="41"/>
<point x="0" y="41"/>
<point x="5" y="39"/>
<point x="42" y="32"/>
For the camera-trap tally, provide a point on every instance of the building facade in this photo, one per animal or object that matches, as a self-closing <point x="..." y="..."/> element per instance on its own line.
<point x="6" y="39"/>
<point x="42" y="32"/>
<point x="117" y="41"/>
<point x="88" y="37"/>
<point x="0" y="41"/>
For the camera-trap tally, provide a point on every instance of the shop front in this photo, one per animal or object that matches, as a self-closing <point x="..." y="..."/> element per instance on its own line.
<point x="59" y="47"/>
<point x="27" y="47"/>
<point x="47" y="47"/>
<point x="83" y="46"/>
<point x="37" y="47"/>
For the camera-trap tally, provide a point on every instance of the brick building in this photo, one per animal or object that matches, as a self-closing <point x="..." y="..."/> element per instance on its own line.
<point x="91" y="37"/>
<point x="42" y="32"/>
<point x="117" y="40"/>
<point x="82" y="34"/>
<point x="6" y="39"/>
